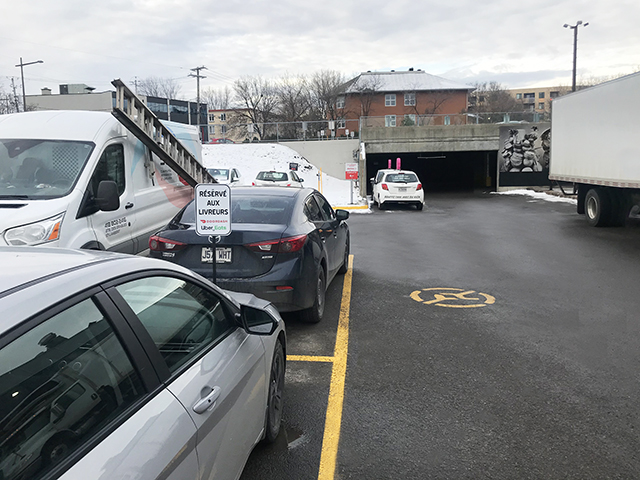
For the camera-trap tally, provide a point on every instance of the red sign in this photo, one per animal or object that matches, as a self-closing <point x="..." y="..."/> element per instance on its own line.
<point x="351" y="171"/>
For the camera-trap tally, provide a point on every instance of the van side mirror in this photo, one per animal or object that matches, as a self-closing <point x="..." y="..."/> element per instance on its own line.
<point x="107" y="198"/>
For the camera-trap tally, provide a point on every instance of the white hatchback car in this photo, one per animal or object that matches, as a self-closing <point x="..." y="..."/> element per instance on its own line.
<point x="116" y="366"/>
<point x="397" y="186"/>
<point x="278" y="179"/>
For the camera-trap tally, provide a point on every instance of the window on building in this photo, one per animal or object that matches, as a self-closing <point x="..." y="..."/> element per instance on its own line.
<point x="518" y="96"/>
<point x="447" y="120"/>
<point x="223" y="129"/>
<point x="223" y="117"/>
<point x="541" y="106"/>
<point x="341" y="123"/>
<point x="212" y="129"/>
<point x="212" y="117"/>
<point x="554" y="94"/>
<point x="409" y="120"/>
<point x="530" y="95"/>
<point x="409" y="99"/>
<point x="390" y="100"/>
<point x="541" y="95"/>
<point x="340" y="102"/>
<point x="389" y="120"/>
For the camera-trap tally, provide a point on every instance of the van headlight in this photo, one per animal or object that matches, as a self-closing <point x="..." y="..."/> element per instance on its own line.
<point x="35" y="233"/>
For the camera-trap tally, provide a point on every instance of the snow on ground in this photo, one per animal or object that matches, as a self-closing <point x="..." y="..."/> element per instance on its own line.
<point x="251" y="158"/>
<point x="538" y="195"/>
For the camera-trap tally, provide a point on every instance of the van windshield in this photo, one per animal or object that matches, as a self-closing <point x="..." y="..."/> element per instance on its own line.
<point x="40" y="169"/>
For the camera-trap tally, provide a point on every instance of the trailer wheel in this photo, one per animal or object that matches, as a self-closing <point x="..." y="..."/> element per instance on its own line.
<point x="597" y="207"/>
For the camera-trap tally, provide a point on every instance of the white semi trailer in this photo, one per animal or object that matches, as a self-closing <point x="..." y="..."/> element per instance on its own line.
<point x="595" y="145"/>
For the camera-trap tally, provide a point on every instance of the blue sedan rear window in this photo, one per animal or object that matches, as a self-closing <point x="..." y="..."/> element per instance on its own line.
<point x="251" y="209"/>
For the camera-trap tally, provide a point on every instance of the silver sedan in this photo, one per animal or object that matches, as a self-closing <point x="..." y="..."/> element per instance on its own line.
<point x="115" y="366"/>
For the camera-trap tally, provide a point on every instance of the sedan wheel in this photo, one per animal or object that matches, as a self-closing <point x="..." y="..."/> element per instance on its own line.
<point x="276" y="388"/>
<point x="314" y="314"/>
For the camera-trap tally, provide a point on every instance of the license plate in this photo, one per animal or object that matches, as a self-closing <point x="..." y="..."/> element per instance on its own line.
<point x="402" y="189"/>
<point x="223" y="255"/>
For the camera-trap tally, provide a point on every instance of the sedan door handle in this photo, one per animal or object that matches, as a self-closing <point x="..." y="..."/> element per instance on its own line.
<point x="208" y="401"/>
<point x="128" y="205"/>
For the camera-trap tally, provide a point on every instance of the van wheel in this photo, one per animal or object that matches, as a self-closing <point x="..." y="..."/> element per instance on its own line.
<point x="314" y="314"/>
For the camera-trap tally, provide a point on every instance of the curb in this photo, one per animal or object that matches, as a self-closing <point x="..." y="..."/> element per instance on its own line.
<point x="351" y="207"/>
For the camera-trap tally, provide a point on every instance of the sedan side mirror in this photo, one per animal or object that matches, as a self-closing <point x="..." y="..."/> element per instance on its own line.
<point x="257" y="321"/>
<point x="107" y="198"/>
<point x="342" y="214"/>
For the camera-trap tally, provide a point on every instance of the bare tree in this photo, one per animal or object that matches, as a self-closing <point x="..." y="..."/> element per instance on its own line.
<point x="325" y="88"/>
<point x="493" y="97"/>
<point x="217" y="99"/>
<point x="294" y="104"/>
<point x="257" y="102"/>
<point x="159" y="87"/>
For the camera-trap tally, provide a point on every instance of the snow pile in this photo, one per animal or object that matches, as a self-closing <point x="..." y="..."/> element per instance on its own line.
<point x="251" y="158"/>
<point x="538" y="196"/>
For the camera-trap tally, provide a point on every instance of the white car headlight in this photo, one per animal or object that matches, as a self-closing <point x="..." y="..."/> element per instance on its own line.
<point x="35" y="233"/>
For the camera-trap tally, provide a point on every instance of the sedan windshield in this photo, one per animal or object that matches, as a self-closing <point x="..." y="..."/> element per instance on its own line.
<point x="40" y="168"/>
<point x="401" y="178"/>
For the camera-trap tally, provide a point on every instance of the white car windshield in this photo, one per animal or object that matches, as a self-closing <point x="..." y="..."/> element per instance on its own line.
<point x="219" y="173"/>
<point x="40" y="168"/>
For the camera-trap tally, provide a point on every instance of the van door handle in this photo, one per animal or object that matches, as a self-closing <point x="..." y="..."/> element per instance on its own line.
<point x="128" y="205"/>
<point x="207" y="402"/>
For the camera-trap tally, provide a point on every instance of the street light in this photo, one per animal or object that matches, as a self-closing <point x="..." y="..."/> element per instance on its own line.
<point x="575" y="48"/>
<point x="24" y="96"/>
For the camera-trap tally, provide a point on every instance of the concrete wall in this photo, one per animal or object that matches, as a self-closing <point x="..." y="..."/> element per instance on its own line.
<point x="330" y="155"/>
<point x="100" y="102"/>
<point x="446" y="138"/>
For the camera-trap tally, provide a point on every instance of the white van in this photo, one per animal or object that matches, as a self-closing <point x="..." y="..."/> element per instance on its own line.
<point x="81" y="179"/>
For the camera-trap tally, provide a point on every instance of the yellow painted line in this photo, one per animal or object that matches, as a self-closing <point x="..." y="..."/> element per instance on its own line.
<point x="308" y="358"/>
<point x="333" y="420"/>
<point x="351" y="207"/>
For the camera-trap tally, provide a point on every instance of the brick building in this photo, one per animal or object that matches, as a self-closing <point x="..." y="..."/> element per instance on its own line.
<point x="396" y="98"/>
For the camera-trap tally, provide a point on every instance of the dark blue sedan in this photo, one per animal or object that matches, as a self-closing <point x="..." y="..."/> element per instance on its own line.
<point x="286" y="246"/>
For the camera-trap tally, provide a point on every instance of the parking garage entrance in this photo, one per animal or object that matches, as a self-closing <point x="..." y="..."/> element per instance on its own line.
<point x="442" y="171"/>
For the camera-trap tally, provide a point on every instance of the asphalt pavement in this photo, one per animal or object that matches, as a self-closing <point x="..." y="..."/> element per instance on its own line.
<point x="490" y="336"/>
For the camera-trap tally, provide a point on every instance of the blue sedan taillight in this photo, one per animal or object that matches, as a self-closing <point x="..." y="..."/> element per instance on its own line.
<point x="284" y="245"/>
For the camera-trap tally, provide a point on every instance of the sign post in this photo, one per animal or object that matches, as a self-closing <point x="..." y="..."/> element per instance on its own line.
<point x="213" y="219"/>
<point x="351" y="173"/>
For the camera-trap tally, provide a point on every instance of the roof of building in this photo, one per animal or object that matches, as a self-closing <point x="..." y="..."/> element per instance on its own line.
<point x="412" y="80"/>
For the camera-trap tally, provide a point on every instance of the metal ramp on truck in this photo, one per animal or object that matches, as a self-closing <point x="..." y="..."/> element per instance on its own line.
<point x="134" y="114"/>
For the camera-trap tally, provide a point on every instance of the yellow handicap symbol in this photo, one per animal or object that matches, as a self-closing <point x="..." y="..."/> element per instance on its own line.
<point x="443" y="296"/>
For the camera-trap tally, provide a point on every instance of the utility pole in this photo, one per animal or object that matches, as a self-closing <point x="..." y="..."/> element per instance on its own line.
<point x="575" y="49"/>
<point x="198" y="77"/>
<point x="24" y="96"/>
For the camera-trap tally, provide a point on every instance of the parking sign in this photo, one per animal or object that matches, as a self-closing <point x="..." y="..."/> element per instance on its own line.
<point x="213" y="209"/>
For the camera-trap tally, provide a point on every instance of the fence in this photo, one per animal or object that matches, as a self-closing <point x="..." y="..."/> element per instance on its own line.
<point x="322" y="130"/>
<point x="426" y="120"/>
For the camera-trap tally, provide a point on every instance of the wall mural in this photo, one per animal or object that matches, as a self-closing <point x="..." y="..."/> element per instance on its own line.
<point x="523" y="158"/>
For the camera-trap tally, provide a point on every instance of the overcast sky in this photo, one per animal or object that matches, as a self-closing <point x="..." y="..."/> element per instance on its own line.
<point x="519" y="44"/>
